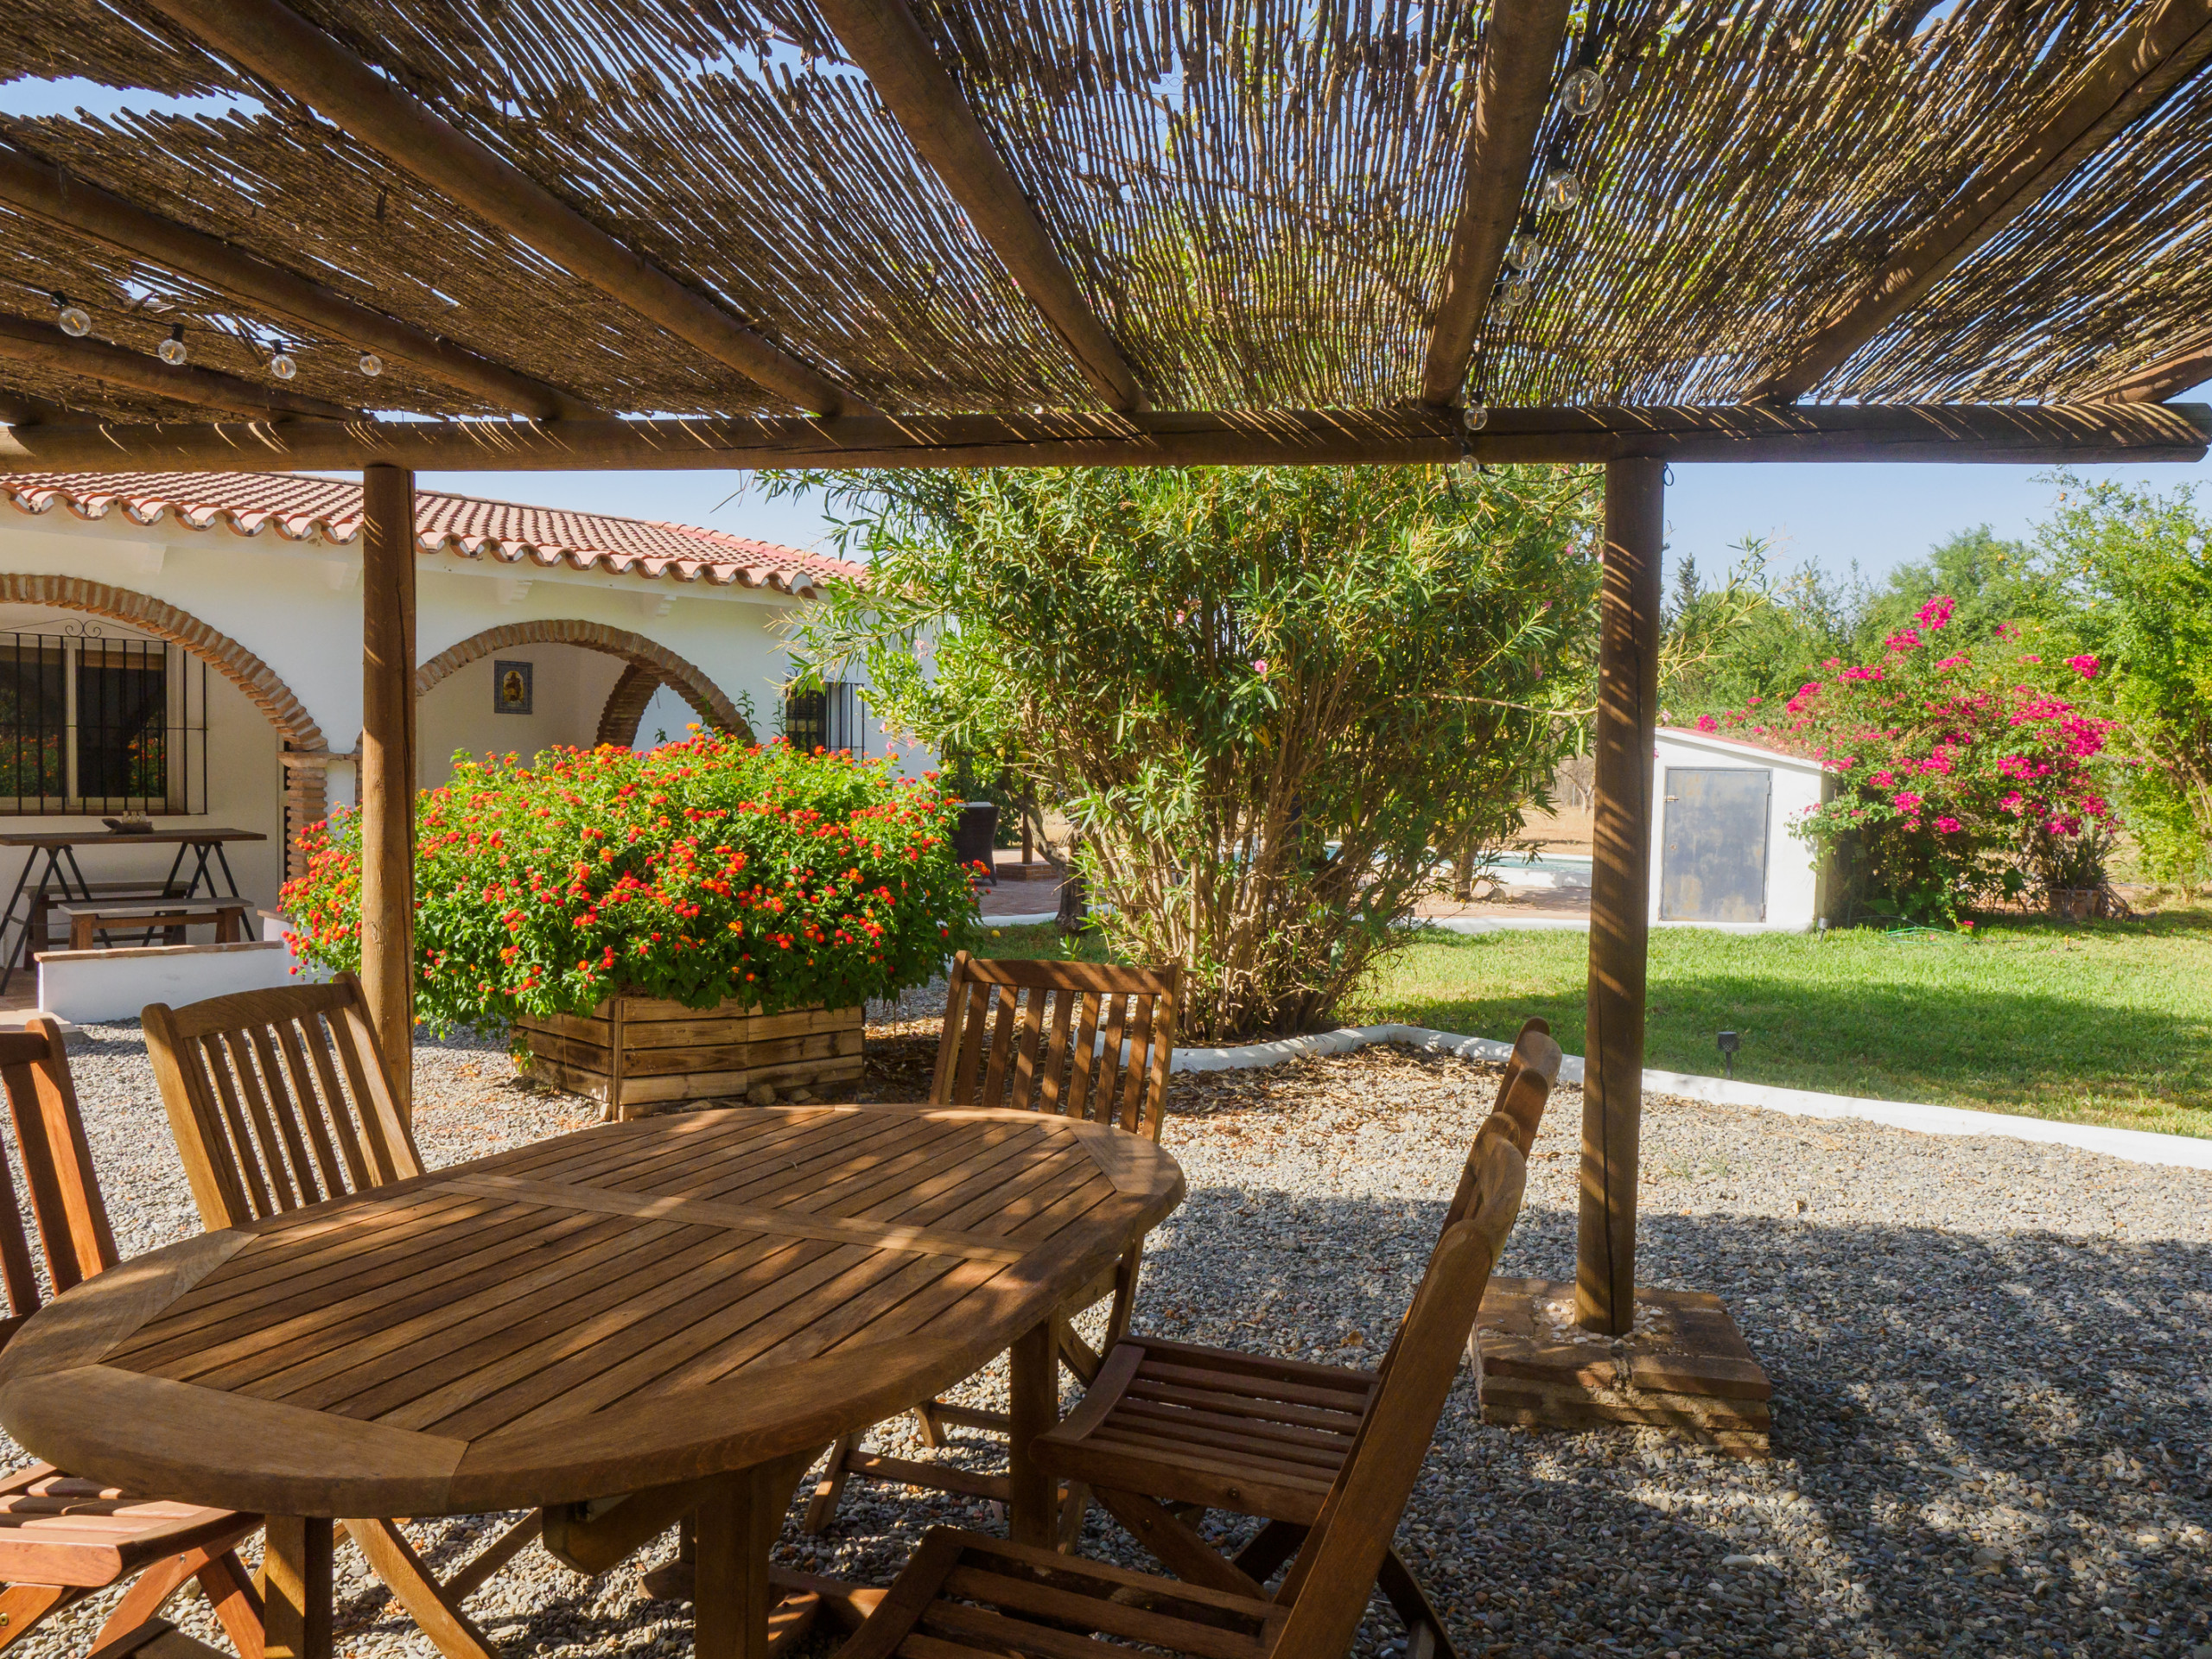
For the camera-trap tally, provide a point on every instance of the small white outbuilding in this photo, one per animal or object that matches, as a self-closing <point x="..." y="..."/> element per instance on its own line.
<point x="1722" y="853"/>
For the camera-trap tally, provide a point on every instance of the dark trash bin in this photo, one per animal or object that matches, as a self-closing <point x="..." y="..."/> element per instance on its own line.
<point x="972" y="841"/>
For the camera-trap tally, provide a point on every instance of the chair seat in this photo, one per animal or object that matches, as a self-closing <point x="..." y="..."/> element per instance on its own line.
<point x="1213" y="1427"/>
<point x="968" y="1593"/>
<point x="57" y="1529"/>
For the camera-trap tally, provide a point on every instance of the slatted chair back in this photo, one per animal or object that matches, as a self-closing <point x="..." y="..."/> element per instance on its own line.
<point x="56" y="1168"/>
<point x="1326" y="1587"/>
<point x="277" y="1099"/>
<point x="1078" y="1039"/>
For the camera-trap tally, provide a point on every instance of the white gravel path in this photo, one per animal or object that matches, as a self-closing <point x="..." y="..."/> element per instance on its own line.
<point x="1991" y="1369"/>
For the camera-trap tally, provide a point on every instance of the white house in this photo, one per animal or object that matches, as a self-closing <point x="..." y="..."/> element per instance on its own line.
<point x="187" y="648"/>
<point x="1722" y="854"/>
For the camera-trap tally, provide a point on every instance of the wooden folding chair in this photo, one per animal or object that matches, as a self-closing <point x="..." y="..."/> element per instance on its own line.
<point x="279" y="1099"/>
<point x="968" y="1596"/>
<point x="1067" y="1036"/>
<point x="63" y="1539"/>
<point x="1174" y="1424"/>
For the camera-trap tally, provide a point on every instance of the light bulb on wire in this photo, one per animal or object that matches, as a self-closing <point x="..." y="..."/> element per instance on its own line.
<point x="171" y="351"/>
<point x="1583" y="93"/>
<point x="1475" y="416"/>
<point x="372" y="365"/>
<point x="1524" y="254"/>
<point x="281" y="365"/>
<point x="1562" y="187"/>
<point x="75" y="321"/>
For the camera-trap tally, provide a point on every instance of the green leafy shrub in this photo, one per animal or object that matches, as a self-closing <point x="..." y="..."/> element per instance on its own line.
<point x="1271" y="700"/>
<point x="700" y="871"/>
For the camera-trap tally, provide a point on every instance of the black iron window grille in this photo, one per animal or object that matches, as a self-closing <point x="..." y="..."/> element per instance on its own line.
<point x="832" y="718"/>
<point x="95" y="723"/>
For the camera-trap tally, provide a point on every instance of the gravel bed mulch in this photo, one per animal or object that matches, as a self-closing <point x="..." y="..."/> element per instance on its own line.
<point x="1993" y="1379"/>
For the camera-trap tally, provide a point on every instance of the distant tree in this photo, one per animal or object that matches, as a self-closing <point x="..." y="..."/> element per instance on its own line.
<point x="1994" y="582"/>
<point x="2136" y="568"/>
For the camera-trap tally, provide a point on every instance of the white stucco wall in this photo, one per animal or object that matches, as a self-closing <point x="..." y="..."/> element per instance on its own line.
<point x="1793" y="871"/>
<point x="570" y="687"/>
<point x="297" y="605"/>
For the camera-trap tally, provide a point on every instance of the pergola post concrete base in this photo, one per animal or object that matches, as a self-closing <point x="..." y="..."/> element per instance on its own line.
<point x="1683" y="1367"/>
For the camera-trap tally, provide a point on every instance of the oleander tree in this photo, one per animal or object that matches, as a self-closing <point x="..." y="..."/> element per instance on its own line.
<point x="1275" y="701"/>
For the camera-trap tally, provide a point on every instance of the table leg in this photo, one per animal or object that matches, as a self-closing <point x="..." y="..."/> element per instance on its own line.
<point x="736" y="1527"/>
<point x="1034" y="1406"/>
<point x="295" y="1587"/>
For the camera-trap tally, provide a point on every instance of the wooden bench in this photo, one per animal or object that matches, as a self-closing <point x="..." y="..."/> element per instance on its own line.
<point x="171" y="916"/>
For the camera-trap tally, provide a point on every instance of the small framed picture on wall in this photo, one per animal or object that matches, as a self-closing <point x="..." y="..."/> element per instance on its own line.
<point x="511" y="688"/>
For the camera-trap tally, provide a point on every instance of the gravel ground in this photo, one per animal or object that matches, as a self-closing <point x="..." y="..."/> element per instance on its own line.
<point x="1991" y="1375"/>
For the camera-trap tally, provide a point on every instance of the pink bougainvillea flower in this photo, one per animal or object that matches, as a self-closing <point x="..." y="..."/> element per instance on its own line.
<point x="2013" y="802"/>
<point x="1937" y="611"/>
<point x="1883" y="779"/>
<point x="1949" y="826"/>
<point x="1959" y="660"/>
<point x="2085" y="665"/>
<point x="1708" y="723"/>
<point x="1862" y="674"/>
<point x="1904" y="639"/>
<point x="1909" y="802"/>
<point x="2031" y="659"/>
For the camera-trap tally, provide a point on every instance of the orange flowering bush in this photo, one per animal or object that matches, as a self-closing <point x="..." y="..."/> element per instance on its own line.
<point x="703" y="870"/>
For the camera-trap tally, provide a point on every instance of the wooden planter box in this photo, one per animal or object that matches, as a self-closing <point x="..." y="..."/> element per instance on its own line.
<point x="635" y="1052"/>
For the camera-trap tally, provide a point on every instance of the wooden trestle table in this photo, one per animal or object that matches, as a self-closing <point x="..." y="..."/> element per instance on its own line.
<point x="682" y="1309"/>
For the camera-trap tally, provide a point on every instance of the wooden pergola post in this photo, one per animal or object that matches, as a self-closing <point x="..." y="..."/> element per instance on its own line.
<point x="1620" y="892"/>
<point x="388" y="768"/>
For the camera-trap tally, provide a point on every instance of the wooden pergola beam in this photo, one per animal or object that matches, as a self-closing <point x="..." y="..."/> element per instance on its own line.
<point x="1520" y="47"/>
<point x="46" y="192"/>
<point x="24" y="341"/>
<point x="1958" y="432"/>
<point x="283" y="48"/>
<point x="882" y="37"/>
<point x="20" y="408"/>
<point x="2126" y="81"/>
<point x="2189" y="366"/>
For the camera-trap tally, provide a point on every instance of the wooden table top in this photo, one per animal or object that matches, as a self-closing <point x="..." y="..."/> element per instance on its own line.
<point x="631" y="1305"/>
<point x="115" y="837"/>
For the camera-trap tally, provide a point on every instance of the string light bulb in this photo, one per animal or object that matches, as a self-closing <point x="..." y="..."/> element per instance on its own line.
<point x="1582" y="94"/>
<point x="171" y="351"/>
<point x="281" y="365"/>
<point x="1475" y="416"/>
<point x="1524" y="254"/>
<point x="372" y="365"/>
<point x="75" y="321"/>
<point x="1562" y="187"/>
<point x="1511" y="298"/>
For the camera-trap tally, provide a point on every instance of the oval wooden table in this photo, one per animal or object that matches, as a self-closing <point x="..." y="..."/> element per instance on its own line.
<point x="694" y="1304"/>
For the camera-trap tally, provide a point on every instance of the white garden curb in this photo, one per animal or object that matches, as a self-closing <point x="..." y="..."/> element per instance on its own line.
<point x="2136" y="1146"/>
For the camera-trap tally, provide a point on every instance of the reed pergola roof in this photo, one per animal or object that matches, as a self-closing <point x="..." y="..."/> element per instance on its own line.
<point x="1089" y="212"/>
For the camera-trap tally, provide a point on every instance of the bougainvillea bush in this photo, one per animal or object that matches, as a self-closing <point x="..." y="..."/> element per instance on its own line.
<point x="1961" y="775"/>
<point x="700" y="871"/>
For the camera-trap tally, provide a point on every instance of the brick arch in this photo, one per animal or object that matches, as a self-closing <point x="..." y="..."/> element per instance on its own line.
<point x="306" y="752"/>
<point x="626" y="706"/>
<point x="665" y="667"/>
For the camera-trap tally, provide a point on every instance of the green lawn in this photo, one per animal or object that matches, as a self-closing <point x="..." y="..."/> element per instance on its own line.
<point x="2109" y="1023"/>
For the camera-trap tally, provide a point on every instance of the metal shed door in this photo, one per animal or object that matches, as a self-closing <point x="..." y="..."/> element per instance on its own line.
<point x="1714" y="865"/>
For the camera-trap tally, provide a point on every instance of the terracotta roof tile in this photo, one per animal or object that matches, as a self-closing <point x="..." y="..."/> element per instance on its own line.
<point x="504" y="532"/>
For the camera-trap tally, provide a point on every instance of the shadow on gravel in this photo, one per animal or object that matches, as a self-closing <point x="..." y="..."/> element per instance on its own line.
<point x="1984" y="1442"/>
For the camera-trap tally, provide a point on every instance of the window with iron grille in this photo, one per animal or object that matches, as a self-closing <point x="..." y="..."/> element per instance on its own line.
<point x="832" y="718"/>
<point x="96" y="723"/>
